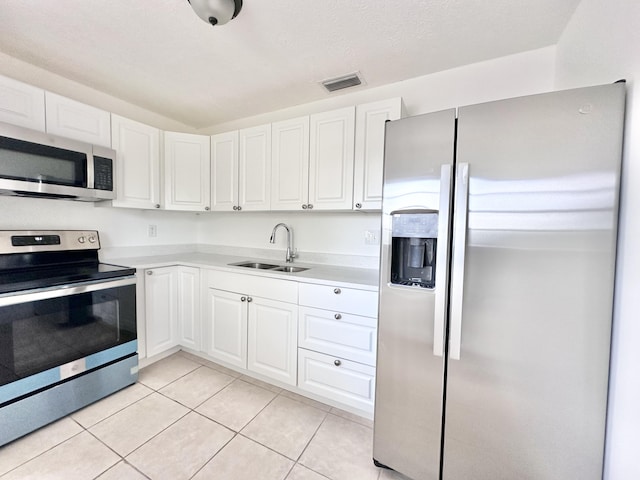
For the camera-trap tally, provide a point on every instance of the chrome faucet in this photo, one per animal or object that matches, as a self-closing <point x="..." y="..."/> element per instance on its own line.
<point x="291" y="253"/>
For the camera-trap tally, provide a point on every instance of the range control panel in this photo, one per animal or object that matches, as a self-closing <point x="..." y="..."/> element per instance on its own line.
<point x="21" y="241"/>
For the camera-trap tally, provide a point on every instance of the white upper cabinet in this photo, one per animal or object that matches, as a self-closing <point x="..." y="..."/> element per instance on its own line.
<point x="138" y="164"/>
<point x="331" y="157"/>
<point x="254" y="174"/>
<point x="21" y="104"/>
<point x="290" y="164"/>
<point x="369" y="151"/>
<point x="71" y="119"/>
<point x="224" y="171"/>
<point x="187" y="175"/>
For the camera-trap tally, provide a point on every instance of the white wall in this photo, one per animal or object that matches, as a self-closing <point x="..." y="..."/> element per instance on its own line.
<point x="601" y="44"/>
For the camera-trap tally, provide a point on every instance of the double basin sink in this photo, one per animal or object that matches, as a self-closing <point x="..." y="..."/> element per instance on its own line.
<point x="269" y="266"/>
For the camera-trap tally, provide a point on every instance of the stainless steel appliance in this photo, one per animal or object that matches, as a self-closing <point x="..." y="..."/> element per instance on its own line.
<point x="67" y="327"/>
<point x="496" y="287"/>
<point x="37" y="164"/>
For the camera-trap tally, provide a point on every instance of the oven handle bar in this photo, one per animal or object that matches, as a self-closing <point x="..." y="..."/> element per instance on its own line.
<point x="64" y="291"/>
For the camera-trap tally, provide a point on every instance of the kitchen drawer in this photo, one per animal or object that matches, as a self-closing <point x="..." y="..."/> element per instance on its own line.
<point x="272" y="288"/>
<point x="341" y="380"/>
<point x="341" y="334"/>
<point x="340" y="299"/>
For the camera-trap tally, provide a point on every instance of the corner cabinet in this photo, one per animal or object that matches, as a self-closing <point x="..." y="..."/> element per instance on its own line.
<point x="331" y="157"/>
<point x="21" y="104"/>
<point x="369" y="151"/>
<point x="138" y="163"/>
<point x="187" y="172"/>
<point x="251" y="322"/>
<point x="172" y="308"/>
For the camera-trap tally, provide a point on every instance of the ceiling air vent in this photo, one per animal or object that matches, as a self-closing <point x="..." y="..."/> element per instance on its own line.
<point x="339" y="83"/>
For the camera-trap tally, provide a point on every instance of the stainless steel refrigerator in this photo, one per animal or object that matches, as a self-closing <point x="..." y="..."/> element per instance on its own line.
<point x="498" y="252"/>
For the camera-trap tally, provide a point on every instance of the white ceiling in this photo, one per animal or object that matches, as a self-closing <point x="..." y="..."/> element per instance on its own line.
<point x="159" y="55"/>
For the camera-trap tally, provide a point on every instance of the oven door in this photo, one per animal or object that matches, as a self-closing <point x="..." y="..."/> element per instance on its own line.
<point x="48" y="335"/>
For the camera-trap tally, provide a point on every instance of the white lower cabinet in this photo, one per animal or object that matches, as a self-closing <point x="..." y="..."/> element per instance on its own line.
<point x="256" y="330"/>
<point x="172" y="308"/>
<point x="347" y="382"/>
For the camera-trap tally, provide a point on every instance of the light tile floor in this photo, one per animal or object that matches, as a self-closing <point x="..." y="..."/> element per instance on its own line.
<point x="191" y="419"/>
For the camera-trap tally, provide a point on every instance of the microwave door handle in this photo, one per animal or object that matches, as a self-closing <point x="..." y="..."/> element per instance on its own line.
<point x="461" y="208"/>
<point x="442" y="261"/>
<point x="62" y="291"/>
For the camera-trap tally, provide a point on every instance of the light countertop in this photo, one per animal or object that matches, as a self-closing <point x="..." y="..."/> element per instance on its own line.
<point x="354" y="277"/>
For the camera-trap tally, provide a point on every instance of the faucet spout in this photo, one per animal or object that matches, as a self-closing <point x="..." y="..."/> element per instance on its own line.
<point x="291" y="254"/>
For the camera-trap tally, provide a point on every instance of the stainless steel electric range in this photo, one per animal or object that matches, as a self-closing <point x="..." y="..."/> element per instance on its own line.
<point x="67" y="327"/>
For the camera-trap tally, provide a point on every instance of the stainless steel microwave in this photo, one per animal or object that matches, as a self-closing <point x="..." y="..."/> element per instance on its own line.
<point x="36" y="164"/>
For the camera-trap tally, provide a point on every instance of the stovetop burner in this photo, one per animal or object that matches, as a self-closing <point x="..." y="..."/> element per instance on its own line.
<point x="43" y="259"/>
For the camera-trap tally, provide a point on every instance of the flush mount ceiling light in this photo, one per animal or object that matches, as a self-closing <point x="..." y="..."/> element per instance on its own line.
<point x="216" y="12"/>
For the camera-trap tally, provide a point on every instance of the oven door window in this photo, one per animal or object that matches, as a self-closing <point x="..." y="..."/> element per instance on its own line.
<point x="37" y="335"/>
<point x="32" y="162"/>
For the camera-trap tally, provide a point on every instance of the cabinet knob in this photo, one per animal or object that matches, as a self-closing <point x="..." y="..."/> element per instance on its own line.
<point x="358" y="205"/>
<point x="310" y="206"/>
<point x="239" y="208"/>
<point x="337" y="291"/>
<point x="157" y="205"/>
<point x="337" y="363"/>
<point x="243" y="299"/>
<point x="149" y="272"/>
<point x="249" y="299"/>
<point x="235" y="207"/>
<point x="304" y="207"/>
<point x="207" y="208"/>
<point x="337" y="316"/>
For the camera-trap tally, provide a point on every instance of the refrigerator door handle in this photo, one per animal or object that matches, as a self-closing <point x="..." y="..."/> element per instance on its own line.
<point x="442" y="261"/>
<point x="461" y="207"/>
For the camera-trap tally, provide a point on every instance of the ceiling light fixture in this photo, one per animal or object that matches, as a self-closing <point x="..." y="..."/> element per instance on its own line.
<point x="216" y="12"/>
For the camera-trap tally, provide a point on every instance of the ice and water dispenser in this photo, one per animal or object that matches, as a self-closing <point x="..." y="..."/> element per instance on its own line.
<point x="413" y="249"/>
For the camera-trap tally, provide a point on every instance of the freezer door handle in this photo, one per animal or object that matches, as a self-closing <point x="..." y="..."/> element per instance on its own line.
<point x="460" y="209"/>
<point x="442" y="261"/>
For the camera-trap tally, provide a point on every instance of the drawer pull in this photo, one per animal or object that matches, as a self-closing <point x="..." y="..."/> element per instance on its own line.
<point x="249" y="299"/>
<point x="149" y="272"/>
<point x="337" y="316"/>
<point x="243" y="299"/>
<point x="337" y="363"/>
<point x="337" y="291"/>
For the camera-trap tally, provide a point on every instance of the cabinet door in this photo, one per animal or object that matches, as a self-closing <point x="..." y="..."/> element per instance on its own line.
<point x="331" y="159"/>
<point x="226" y="327"/>
<point x="21" y="104"/>
<point x="272" y="345"/>
<point x="369" y="151"/>
<point x="160" y="288"/>
<point x="187" y="175"/>
<point x="224" y="171"/>
<point x="72" y="119"/>
<point x="290" y="164"/>
<point x="255" y="168"/>
<point x="188" y="298"/>
<point x="138" y="164"/>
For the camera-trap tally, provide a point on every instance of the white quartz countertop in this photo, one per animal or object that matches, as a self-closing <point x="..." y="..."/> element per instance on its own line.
<point x="354" y="277"/>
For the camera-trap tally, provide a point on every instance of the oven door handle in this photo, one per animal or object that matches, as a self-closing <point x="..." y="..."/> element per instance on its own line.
<point x="60" y="291"/>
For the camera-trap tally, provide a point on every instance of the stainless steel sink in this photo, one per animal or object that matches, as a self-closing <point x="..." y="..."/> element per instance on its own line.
<point x="261" y="266"/>
<point x="289" y="269"/>
<point x="269" y="266"/>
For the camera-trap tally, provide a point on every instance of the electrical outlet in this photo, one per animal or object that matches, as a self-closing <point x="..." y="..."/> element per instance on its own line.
<point x="153" y="230"/>
<point x="371" y="237"/>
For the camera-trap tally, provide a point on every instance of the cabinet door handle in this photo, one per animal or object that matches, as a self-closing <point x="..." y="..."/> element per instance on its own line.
<point x="358" y="205"/>
<point x="235" y="207"/>
<point x="310" y="206"/>
<point x="243" y="299"/>
<point x="249" y="299"/>
<point x="157" y="205"/>
<point x="337" y="363"/>
<point x="207" y="208"/>
<point x="337" y="316"/>
<point x="149" y="272"/>
<point x="304" y="207"/>
<point x="337" y="291"/>
<point x="239" y="208"/>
